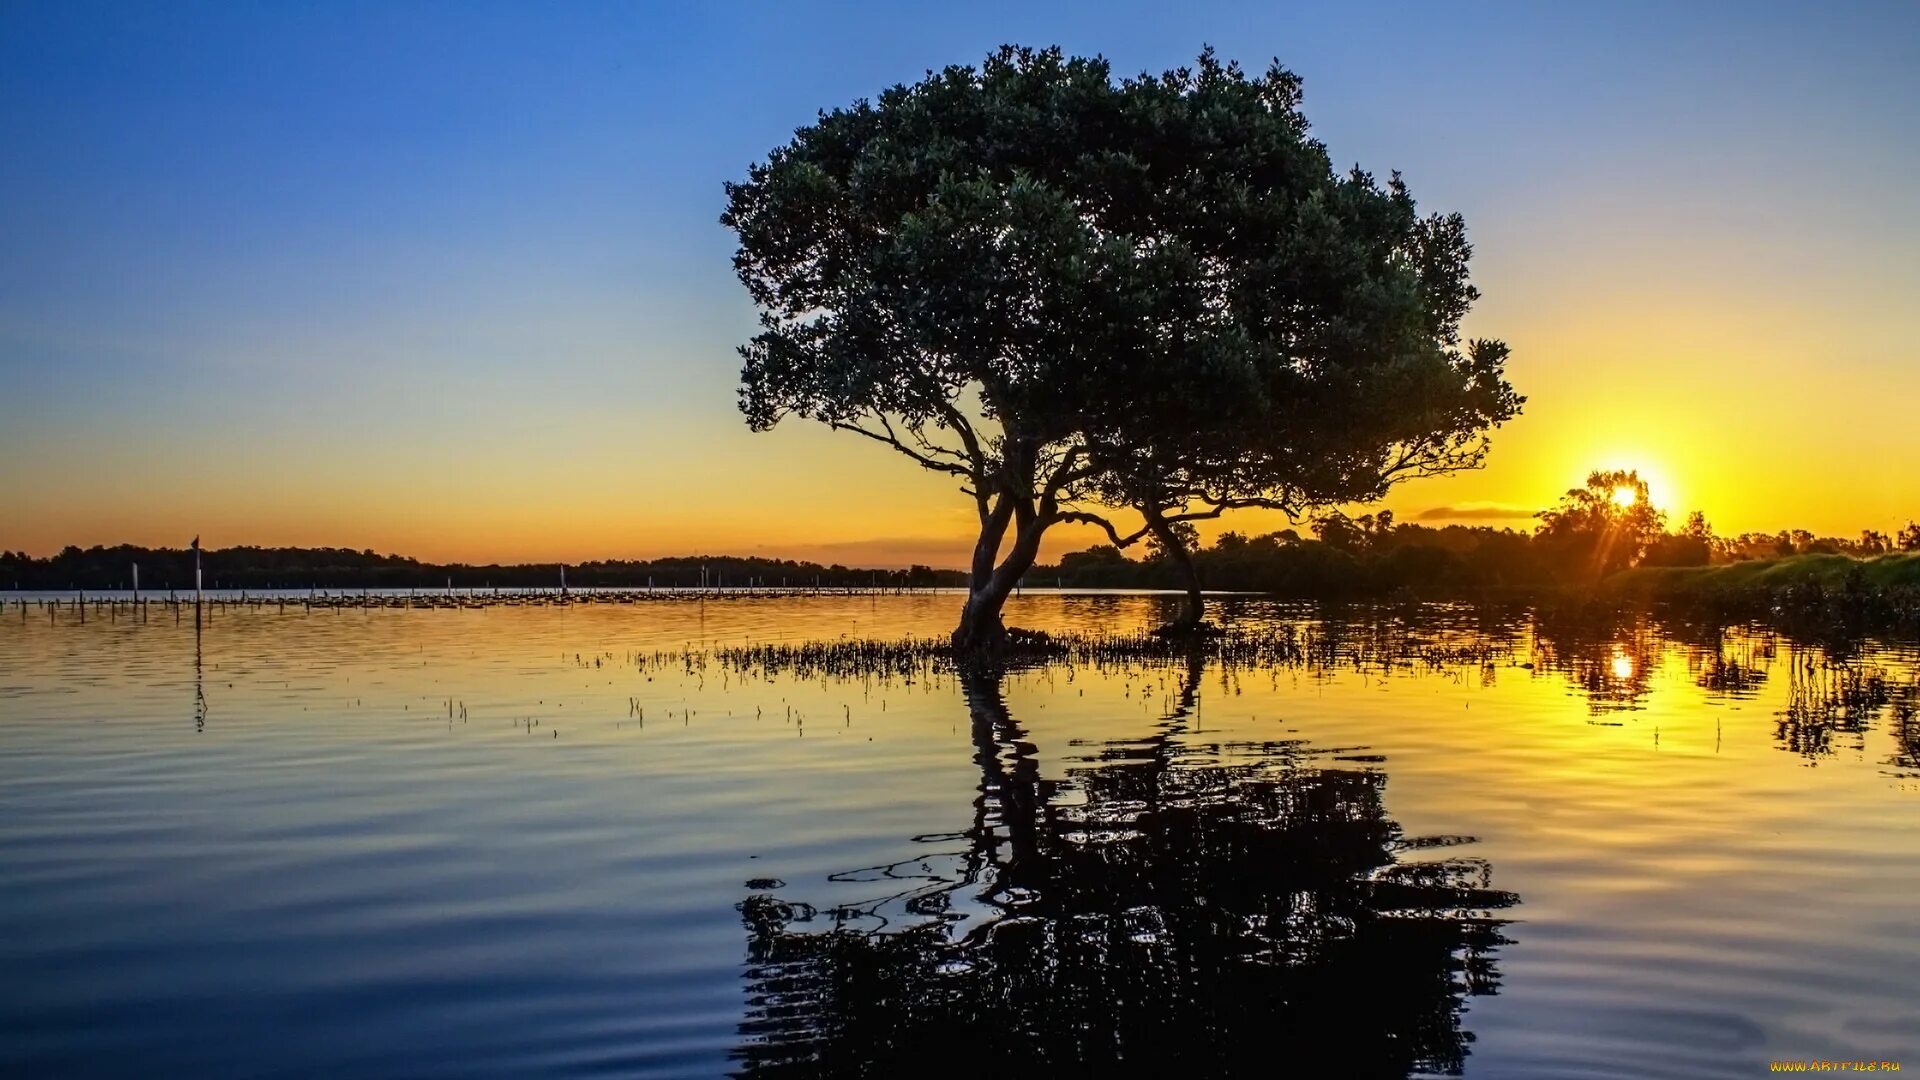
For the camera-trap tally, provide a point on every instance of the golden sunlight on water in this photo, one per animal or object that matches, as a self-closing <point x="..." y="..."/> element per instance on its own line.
<point x="520" y="840"/>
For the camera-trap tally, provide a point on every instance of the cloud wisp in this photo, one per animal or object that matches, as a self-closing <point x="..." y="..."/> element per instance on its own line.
<point x="1476" y="512"/>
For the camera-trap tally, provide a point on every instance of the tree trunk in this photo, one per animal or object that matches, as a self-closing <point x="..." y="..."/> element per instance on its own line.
<point x="981" y="629"/>
<point x="1176" y="549"/>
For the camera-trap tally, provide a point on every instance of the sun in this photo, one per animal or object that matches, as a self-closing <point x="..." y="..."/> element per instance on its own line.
<point x="1655" y="490"/>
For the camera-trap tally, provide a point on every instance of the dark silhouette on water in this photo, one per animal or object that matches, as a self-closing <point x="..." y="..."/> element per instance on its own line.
<point x="199" y="680"/>
<point x="1072" y="293"/>
<point x="1171" y="908"/>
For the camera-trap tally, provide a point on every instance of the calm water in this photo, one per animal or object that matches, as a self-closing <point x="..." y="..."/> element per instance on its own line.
<point x="521" y="841"/>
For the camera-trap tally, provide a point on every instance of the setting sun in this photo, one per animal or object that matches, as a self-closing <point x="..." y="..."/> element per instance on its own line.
<point x="1624" y="496"/>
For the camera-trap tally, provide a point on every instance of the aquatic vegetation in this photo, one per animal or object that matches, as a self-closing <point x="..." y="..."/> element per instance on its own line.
<point x="1378" y="645"/>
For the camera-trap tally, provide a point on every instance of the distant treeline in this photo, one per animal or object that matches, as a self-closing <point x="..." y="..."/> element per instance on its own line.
<point x="1597" y="532"/>
<point x="344" y="568"/>
<point x="1373" y="555"/>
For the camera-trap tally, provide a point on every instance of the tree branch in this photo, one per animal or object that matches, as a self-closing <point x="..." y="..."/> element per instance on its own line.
<point x="893" y="440"/>
<point x="1219" y="506"/>
<point x="1083" y="517"/>
<point x="1059" y="478"/>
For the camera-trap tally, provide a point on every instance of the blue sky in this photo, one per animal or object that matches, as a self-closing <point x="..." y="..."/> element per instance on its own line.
<point x="448" y="278"/>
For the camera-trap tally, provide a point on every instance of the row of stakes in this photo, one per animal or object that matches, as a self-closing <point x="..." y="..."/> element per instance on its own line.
<point x="138" y="606"/>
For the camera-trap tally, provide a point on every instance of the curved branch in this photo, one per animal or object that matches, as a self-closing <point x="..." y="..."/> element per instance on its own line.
<point x="1061" y="476"/>
<point x="1219" y="506"/>
<point x="962" y="427"/>
<point x="926" y="462"/>
<point x="1083" y="517"/>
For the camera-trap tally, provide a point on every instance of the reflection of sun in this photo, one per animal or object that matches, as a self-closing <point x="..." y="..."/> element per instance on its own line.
<point x="1624" y="496"/>
<point x="1622" y="666"/>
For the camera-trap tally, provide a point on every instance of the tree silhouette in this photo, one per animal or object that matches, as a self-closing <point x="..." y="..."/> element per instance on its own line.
<point x="1604" y="526"/>
<point x="1148" y="916"/>
<point x="1068" y="292"/>
<point x="1693" y="545"/>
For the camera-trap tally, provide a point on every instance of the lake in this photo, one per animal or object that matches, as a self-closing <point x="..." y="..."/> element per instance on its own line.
<point x="590" y="840"/>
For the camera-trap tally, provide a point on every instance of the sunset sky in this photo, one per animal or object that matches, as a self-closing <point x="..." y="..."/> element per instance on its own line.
<point x="448" y="280"/>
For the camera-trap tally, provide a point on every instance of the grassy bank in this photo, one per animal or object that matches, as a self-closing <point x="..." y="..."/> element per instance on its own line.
<point x="1745" y="580"/>
<point x="1824" y="590"/>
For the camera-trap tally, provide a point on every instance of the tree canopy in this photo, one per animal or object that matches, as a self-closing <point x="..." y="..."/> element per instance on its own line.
<point x="1605" y="525"/>
<point x="1074" y="293"/>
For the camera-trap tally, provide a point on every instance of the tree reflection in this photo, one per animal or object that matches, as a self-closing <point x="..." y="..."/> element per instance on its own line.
<point x="1905" y="759"/>
<point x="1211" y="909"/>
<point x="1729" y="672"/>
<point x="1611" y="659"/>
<point x="1832" y="703"/>
<point x="1726" y="660"/>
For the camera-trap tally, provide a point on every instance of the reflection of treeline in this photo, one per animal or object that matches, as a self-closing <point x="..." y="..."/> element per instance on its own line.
<point x="343" y="568"/>
<point x="1838" y="686"/>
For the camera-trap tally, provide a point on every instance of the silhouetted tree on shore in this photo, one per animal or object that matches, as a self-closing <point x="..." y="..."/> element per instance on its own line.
<point x="1602" y="526"/>
<point x="1071" y="293"/>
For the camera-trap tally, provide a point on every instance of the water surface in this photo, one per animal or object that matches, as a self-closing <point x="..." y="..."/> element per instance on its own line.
<point x="573" y="840"/>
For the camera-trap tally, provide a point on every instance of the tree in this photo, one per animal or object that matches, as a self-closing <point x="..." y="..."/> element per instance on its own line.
<point x="1909" y="538"/>
<point x="1698" y="528"/>
<point x="1071" y="293"/>
<point x="1358" y="377"/>
<point x="1604" y="526"/>
<point x="1693" y="545"/>
<point x="1339" y="531"/>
